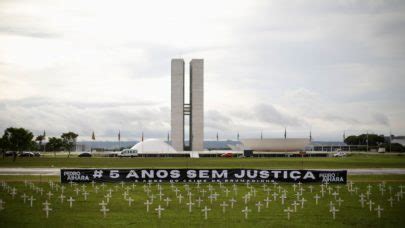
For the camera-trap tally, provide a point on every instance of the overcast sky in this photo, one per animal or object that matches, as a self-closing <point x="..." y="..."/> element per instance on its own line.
<point x="329" y="66"/>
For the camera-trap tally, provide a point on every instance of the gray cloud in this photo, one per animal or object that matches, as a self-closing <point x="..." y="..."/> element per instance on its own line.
<point x="269" y="114"/>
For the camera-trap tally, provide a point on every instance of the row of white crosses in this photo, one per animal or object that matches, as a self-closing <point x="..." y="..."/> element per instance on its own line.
<point x="298" y="189"/>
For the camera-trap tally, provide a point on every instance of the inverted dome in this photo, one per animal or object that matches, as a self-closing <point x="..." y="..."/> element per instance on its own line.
<point x="153" y="146"/>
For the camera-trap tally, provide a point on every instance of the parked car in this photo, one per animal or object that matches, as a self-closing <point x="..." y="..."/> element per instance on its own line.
<point x="85" y="154"/>
<point x="9" y="153"/>
<point x="128" y="153"/>
<point x="27" y="154"/>
<point x="340" y="154"/>
<point x="37" y="154"/>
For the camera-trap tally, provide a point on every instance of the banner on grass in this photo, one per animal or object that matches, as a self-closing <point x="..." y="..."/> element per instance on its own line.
<point x="202" y="175"/>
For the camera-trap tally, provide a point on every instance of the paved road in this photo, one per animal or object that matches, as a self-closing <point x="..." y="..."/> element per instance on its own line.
<point x="56" y="171"/>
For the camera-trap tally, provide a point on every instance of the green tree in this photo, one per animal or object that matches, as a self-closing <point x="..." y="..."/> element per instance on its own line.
<point x="69" y="140"/>
<point x="54" y="144"/>
<point x="18" y="139"/>
<point x="3" y="146"/>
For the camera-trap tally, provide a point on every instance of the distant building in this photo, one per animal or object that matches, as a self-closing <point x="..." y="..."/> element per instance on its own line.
<point x="275" y="144"/>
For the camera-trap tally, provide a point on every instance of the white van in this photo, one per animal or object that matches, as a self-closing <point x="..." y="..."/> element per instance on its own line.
<point x="128" y="153"/>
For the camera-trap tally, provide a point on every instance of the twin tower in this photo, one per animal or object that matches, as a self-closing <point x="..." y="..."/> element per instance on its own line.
<point x="193" y="108"/>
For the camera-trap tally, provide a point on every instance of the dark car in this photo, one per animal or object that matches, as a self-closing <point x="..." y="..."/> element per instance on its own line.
<point x="85" y="154"/>
<point x="37" y="154"/>
<point x="9" y="153"/>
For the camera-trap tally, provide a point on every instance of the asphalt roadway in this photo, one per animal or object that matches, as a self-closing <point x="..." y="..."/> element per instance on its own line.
<point x="56" y="171"/>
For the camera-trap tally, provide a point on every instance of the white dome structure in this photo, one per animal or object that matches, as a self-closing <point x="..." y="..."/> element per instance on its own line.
<point x="153" y="146"/>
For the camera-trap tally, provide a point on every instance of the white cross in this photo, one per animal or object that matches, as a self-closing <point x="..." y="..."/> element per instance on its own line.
<point x="190" y="194"/>
<point x="47" y="210"/>
<point x="322" y="192"/>
<point x="215" y="195"/>
<point x="258" y="205"/>
<point x="102" y="204"/>
<point x="379" y="209"/>
<point x="70" y="200"/>
<point x="333" y="210"/>
<point x="159" y="209"/>
<point x="31" y="199"/>
<point x="147" y="203"/>
<point x="246" y="211"/>
<point x="190" y="205"/>
<point x="110" y="191"/>
<point x="311" y="188"/>
<point x="294" y="186"/>
<point x="130" y="200"/>
<point x="199" y="200"/>
<point x="246" y="198"/>
<point x="223" y="205"/>
<point x="226" y="192"/>
<point x="335" y="194"/>
<point x="288" y="211"/>
<point x="125" y="195"/>
<point x="370" y="203"/>
<point x="205" y="210"/>
<point x="24" y="197"/>
<point x="160" y="195"/>
<point x="167" y="200"/>
<point x="104" y="210"/>
<point x="49" y="194"/>
<point x="77" y="191"/>
<point x="283" y="197"/>
<point x="316" y="197"/>
<point x="176" y="190"/>
<point x="303" y="200"/>
<point x="46" y="204"/>
<point x="267" y="200"/>
<point x="180" y="197"/>
<point x="295" y="204"/>
<point x="274" y="196"/>
<point x="13" y="193"/>
<point x="85" y="195"/>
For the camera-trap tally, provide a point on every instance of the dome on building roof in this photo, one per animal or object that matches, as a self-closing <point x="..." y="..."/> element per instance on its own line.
<point x="153" y="146"/>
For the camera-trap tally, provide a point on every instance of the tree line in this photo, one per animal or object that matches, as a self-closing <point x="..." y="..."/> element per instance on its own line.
<point x="18" y="140"/>
<point x="374" y="140"/>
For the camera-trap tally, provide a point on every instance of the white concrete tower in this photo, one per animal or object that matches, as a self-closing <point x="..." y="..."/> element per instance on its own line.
<point x="177" y="104"/>
<point x="197" y="104"/>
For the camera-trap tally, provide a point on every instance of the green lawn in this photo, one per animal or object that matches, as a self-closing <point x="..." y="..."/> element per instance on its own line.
<point x="354" y="161"/>
<point x="87" y="214"/>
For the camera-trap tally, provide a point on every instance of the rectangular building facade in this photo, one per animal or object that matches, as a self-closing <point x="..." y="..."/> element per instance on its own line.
<point x="177" y="104"/>
<point x="197" y="104"/>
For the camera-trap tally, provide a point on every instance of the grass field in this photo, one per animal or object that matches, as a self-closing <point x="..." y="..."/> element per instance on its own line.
<point x="87" y="213"/>
<point x="355" y="161"/>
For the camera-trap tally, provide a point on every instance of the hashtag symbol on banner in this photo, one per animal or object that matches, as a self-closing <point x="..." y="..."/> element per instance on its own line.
<point x="98" y="173"/>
